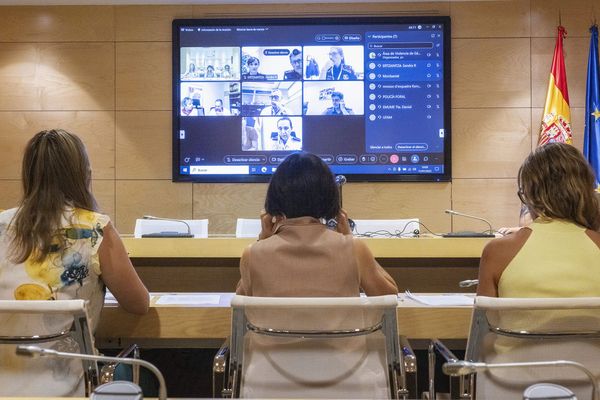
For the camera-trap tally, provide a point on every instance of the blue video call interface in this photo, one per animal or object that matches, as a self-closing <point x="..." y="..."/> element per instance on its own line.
<point x="369" y="99"/>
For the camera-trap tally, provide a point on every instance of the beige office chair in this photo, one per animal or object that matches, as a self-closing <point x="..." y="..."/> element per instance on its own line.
<point x="513" y="330"/>
<point x="61" y="325"/>
<point x="315" y="348"/>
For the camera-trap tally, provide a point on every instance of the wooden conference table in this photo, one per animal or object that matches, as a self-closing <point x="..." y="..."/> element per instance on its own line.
<point x="204" y="319"/>
<point x="424" y="264"/>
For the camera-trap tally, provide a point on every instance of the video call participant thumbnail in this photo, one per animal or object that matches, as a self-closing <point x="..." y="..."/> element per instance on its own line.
<point x="338" y="105"/>
<point x="253" y="64"/>
<point x="285" y="138"/>
<point x="295" y="74"/>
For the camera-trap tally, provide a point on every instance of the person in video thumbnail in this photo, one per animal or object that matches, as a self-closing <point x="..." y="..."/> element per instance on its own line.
<point x="250" y="135"/>
<point x="295" y="74"/>
<point x="338" y="105"/>
<point x="226" y="71"/>
<point x="339" y="71"/>
<point x="191" y="72"/>
<point x="285" y="137"/>
<point x="187" y="108"/>
<point x="253" y="63"/>
<point x="276" y="107"/>
<point x="219" y="110"/>
<point x="210" y="72"/>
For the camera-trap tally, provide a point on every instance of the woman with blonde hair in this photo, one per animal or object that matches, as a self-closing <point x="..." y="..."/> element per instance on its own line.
<point x="56" y="246"/>
<point x="558" y="254"/>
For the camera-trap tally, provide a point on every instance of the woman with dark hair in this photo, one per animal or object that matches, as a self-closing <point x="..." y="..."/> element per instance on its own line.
<point x="296" y="254"/>
<point x="56" y="246"/>
<point x="558" y="254"/>
<point x="253" y="64"/>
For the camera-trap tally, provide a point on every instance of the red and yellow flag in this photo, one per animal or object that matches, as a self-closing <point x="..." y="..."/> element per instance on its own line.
<point x="556" y="120"/>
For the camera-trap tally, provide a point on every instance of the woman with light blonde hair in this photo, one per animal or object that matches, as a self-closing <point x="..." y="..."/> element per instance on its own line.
<point x="56" y="246"/>
<point x="558" y="254"/>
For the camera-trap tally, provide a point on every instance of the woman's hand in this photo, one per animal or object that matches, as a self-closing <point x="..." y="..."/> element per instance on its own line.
<point x="267" y="224"/>
<point x="343" y="226"/>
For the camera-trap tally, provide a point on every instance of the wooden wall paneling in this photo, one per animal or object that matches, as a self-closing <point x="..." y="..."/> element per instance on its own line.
<point x="161" y="198"/>
<point x="104" y="191"/>
<point x="479" y="19"/>
<point x="143" y="76"/>
<point x="95" y="128"/>
<point x="223" y="203"/>
<point x="144" y="141"/>
<point x="577" y="125"/>
<point x="57" y="24"/>
<point x="576" y="17"/>
<point x="209" y="278"/>
<point x="320" y="9"/>
<point x="57" y="76"/>
<point x="576" y="55"/>
<point x="490" y="73"/>
<point x="489" y="142"/>
<point x="147" y="23"/>
<point x="493" y="199"/>
<point x="10" y="193"/>
<point x="426" y="201"/>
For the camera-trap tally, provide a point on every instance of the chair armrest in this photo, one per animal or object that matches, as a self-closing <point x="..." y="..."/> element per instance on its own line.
<point x="465" y="385"/>
<point x="410" y="360"/>
<point x="220" y="367"/>
<point x="107" y="373"/>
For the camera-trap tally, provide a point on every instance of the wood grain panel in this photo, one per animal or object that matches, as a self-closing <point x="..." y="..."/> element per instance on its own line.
<point x="57" y="24"/>
<point x="321" y="9"/>
<point x="223" y="204"/>
<point x="576" y="16"/>
<point x="135" y="198"/>
<point x="57" y="76"/>
<point x="489" y="143"/>
<point x="425" y="201"/>
<point x="577" y="126"/>
<point x="144" y="145"/>
<point x="10" y="193"/>
<point x="95" y="128"/>
<point x="104" y="191"/>
<point x="490" y="73"/>
<point x="477" y="19"/>
<point x="143" y="76"/>
<point x="576" y="55"/>
<point x="493" y="199"/>
<point x="147" y="23"/>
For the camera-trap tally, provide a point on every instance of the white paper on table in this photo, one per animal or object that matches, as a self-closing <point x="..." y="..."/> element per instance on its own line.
<point x="189" y="299"/>
<point x="442" y="299"/>
<point x="109" y="298"/>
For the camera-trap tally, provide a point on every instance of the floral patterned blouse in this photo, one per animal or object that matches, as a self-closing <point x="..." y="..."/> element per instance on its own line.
<point x="68" y="272"/>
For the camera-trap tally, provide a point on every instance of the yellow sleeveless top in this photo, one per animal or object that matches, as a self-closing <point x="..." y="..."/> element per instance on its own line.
<point x="557" y="260"/>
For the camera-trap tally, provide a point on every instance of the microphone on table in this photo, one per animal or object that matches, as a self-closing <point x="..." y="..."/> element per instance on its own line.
<point x="168" y="234"/>
<point x="462" y="368"/>
<point x="121" y="389"/>
<point x="340" y="180"/>
<point x="469" y="233"/>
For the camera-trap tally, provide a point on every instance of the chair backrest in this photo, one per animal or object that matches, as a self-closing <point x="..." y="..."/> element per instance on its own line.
<point x="386" y="227"/>
<point x="198" y="227"/>
<point x="247" y="228"/>
<point x="61" y="325"/>
<point x="534" y="329"/>
<point x="315" y="347"/>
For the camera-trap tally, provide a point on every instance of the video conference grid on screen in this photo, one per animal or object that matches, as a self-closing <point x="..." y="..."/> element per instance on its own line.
<point x="367" y="98"/>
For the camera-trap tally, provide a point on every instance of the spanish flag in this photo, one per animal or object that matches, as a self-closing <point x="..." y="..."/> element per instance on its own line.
<point x="556" y="121"/>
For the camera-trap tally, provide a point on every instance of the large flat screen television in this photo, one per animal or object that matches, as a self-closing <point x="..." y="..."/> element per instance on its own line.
<point x="369" y="95"/>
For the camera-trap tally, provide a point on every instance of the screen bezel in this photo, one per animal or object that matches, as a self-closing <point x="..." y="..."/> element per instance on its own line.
<point x="443" y="20"/>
